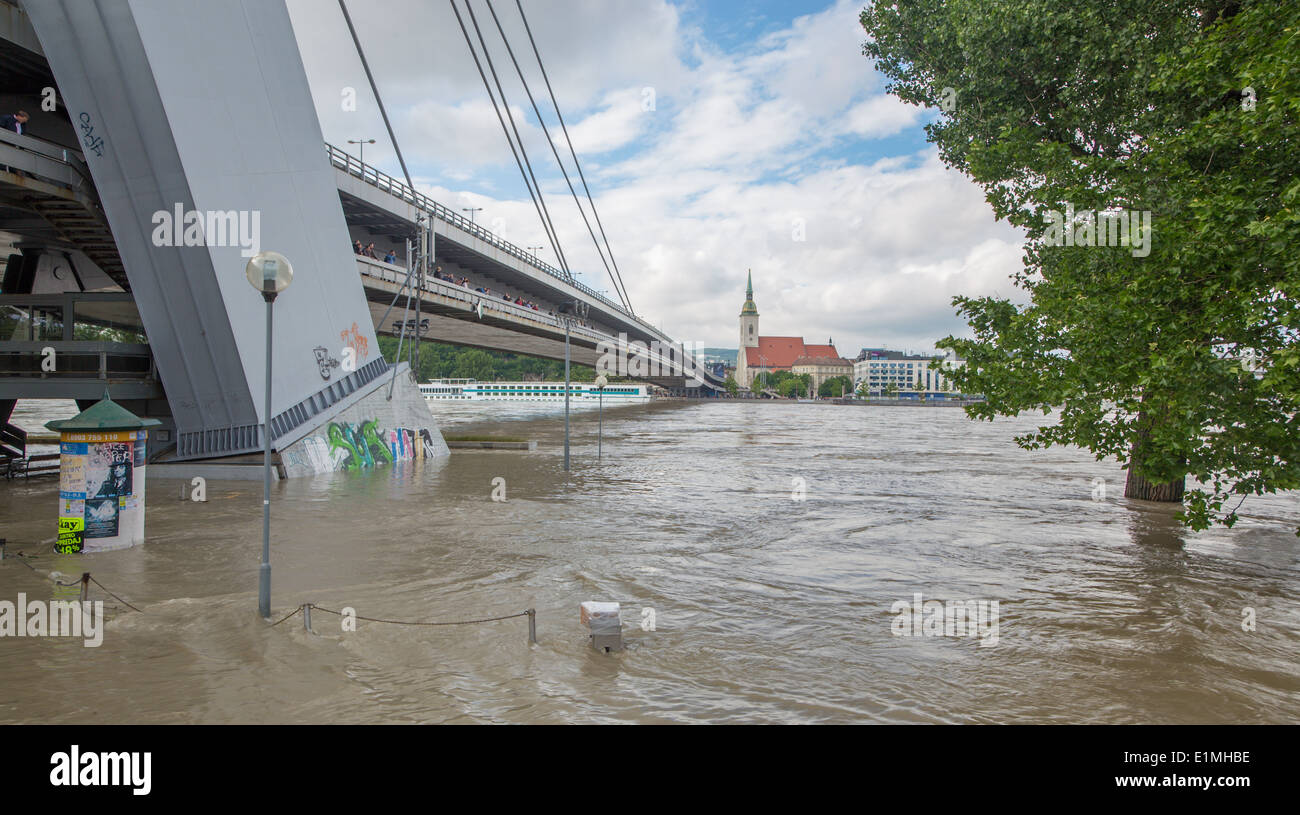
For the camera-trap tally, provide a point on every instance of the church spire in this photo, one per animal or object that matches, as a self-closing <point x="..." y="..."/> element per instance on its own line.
<point x="749" y="307"/>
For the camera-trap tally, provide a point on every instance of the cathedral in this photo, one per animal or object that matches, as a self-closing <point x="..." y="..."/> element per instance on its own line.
<point x="759" y="354"/>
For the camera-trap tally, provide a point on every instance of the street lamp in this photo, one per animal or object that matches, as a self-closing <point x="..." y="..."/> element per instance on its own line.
<point x="471" y="211"/>
<point x="269" y="273"/>
<point x="601" y="382"/>
<point x="567" y="310"/>
<point x="535" y="249"/>
<point x="361" y="156"/>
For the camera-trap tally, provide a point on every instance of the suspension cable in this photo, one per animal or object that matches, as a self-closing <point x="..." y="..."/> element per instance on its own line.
<point x="565" y="128"/>
<point x="556" y="153"/>
<point x="541" y="214"/>
<point x="379" y="101"/>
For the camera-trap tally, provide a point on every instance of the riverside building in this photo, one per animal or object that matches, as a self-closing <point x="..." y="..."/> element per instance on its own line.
<point x="886" y="372"/>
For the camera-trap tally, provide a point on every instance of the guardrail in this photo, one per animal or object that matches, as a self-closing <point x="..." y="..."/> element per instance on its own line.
<point x="78" y="360"/>
<point x="36" y="151"/>
<point x="396" y="275"/>
<point x="377" y="178"/>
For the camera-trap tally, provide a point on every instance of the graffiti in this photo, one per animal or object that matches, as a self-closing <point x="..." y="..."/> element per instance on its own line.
<point x="325" y="361"/>
<point x="92" y="142"/>
<point x="354" y="339"/>
<point x="363" y="445"/>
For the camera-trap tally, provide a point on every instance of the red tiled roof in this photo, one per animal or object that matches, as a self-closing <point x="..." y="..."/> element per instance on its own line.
<point x="823" y="361"/>
<point x="781" y="352"/>
<point x="775" y="352"/>
<point x="821" y="351"/>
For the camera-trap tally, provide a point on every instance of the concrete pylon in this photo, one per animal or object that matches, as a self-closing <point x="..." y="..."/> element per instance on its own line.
<point x="198" y="126"/>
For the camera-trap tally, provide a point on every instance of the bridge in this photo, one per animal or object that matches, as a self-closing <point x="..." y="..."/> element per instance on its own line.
<point x="375" y="203"/>
<point x="173" y="330"/>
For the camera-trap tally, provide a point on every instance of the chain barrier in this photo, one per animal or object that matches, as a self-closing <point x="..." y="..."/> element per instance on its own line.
<point x="306" y="609"/>
<point x="83" y="581"/>
<point x="530" y="613"/>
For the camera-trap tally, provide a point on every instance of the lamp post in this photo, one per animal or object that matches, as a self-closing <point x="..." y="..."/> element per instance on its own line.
<point x="361" y="155"/>
<point x="565" y="311"/>
<point x="269" y="273"/>
<point x="471" y="211"/>
<point x="601" y="382"/>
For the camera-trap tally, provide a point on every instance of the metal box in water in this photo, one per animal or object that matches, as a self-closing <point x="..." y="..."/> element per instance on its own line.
<point x="604" y="623"/>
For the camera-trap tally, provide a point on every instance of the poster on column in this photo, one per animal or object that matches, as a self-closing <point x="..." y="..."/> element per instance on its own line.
<point x="72" y="497"/>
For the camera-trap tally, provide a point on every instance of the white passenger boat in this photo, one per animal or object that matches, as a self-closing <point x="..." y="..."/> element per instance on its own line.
<point x="616" y="393"/>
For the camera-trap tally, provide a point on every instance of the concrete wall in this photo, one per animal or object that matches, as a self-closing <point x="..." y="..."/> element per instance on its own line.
<point x="205" y="104"/>
<point x="372" y="432"/>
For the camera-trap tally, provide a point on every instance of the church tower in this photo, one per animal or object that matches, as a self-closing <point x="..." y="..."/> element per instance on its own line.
<point x="749" y="317"/>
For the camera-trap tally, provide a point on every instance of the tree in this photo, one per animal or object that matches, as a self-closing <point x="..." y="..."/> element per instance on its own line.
<point x="791" y="388"/>
<point x="475" y="364"/>
<point x="834" y="386"/>
<point x="1186" y="112"/>
<point x="731" y="386"/>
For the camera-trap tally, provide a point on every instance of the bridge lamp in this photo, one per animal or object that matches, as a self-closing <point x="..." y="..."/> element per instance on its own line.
<point x="269" y="273"/>
<point x="361" y="155"/>
<point x="600" y="383"/>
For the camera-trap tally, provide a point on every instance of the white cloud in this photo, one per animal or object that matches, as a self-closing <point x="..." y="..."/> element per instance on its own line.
<point x="740" y="150"/>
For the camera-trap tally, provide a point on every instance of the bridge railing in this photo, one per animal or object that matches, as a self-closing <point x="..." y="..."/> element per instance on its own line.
<point x="50" y="161"/>
<point x="396" y="275"/>
<point x="371" y="175"/>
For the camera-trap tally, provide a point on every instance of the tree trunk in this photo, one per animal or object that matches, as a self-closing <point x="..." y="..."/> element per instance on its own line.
<point x="1137" y="486"/>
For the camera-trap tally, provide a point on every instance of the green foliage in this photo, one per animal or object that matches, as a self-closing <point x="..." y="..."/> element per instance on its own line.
<point x="832" y="387"/>
<point x="1112" y="104"/>
<point x="444" y="361"/>
<point x="776" y="380"/>
<point x="732" y="387"/>
<point x="99" y="333"/>
<point x="794" y="386"/>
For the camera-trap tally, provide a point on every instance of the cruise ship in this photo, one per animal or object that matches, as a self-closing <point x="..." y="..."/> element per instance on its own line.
<point x="618" y="393"/>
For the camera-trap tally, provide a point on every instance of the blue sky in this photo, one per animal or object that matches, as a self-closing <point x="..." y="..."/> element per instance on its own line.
<point x="717" y="137"/>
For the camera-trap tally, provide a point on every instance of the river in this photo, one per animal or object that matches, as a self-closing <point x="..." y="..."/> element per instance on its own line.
<point x="771" y="541"/>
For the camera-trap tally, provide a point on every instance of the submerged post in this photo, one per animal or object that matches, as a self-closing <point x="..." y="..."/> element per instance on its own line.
<point x="532" y="626"/>
<point x="85" y="586"/>
<point x="567" y="387"/>
<point x="306" y="617"/>
<point x="601" y="382"/>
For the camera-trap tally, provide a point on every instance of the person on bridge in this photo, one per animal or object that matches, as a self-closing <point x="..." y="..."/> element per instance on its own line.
<point x="356" y="247"/>
<point x="370" y="251"/>
<point x="390" y="257"/>
<point x="14" y="121"/>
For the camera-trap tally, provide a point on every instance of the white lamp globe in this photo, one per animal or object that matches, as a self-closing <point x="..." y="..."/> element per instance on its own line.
<point x="269" y="272"/>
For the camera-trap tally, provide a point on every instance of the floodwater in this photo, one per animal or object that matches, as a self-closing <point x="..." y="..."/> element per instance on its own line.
<point x="766" y="608"/>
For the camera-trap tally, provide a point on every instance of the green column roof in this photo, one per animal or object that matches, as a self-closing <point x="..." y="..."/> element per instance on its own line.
<point x="103" y="415"/>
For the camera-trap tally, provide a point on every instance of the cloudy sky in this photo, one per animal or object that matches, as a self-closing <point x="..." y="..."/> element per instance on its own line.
<point x="716" y="136"/>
